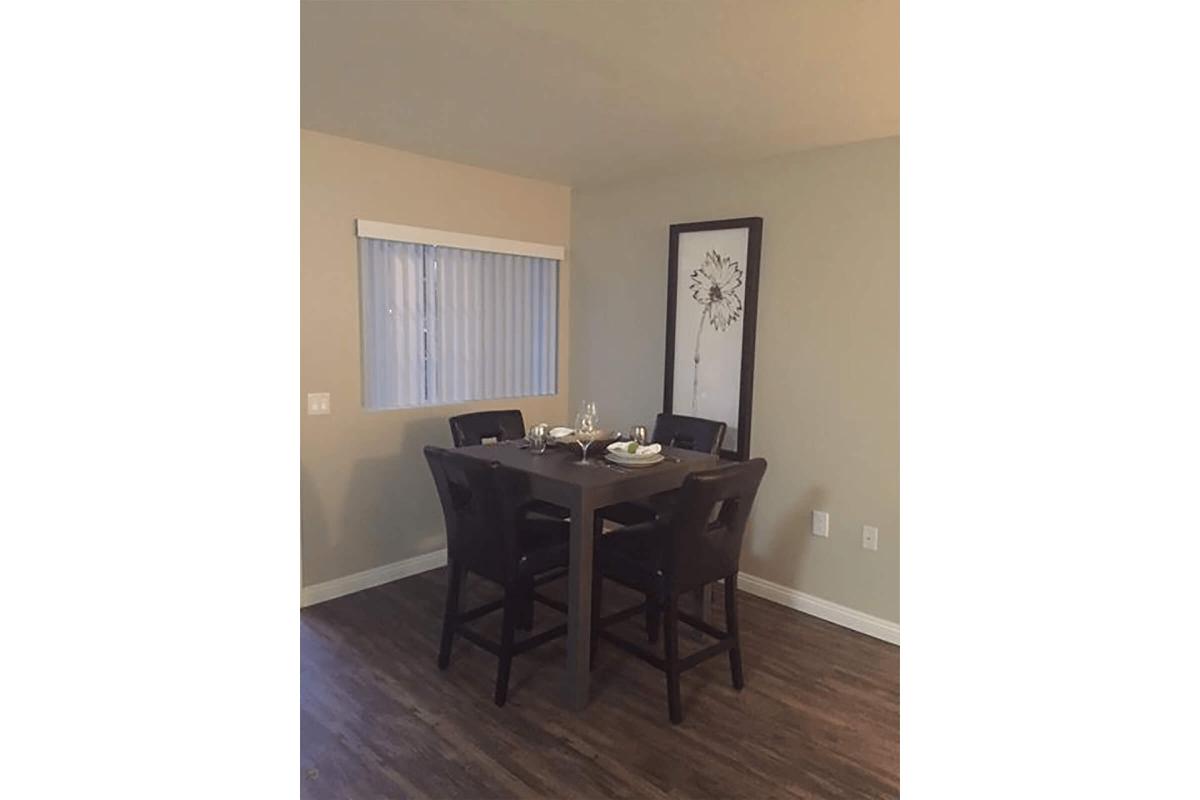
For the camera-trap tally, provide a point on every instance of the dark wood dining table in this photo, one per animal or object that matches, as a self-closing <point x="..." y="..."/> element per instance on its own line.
<point x="555" y="477"/>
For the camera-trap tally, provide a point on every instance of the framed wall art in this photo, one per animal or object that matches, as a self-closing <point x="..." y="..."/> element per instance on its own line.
<point x="712" y="310"/>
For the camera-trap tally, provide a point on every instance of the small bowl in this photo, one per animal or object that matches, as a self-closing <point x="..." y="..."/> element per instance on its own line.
<point x="599" y="444"/>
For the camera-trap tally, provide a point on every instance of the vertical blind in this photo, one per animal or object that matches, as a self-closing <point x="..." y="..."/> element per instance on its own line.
<point x="446" y="325"/>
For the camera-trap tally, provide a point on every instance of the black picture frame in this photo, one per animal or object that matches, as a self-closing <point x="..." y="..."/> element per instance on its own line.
<point x="741" y="448"/>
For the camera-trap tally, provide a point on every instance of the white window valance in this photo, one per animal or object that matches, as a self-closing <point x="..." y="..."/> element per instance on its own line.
<point x="368" y="229"/>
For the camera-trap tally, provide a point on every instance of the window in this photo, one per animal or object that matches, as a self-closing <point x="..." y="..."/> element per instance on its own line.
<point x="448" y="318"/>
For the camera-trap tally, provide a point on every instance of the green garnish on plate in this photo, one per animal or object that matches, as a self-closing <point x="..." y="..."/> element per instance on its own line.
<point x="632" y="448"/>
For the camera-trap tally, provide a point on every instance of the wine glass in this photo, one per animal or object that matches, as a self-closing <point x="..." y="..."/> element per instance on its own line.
<point x="585" y="430"/>
<point x="537" y="437"/>
<point x="589" y="408"/>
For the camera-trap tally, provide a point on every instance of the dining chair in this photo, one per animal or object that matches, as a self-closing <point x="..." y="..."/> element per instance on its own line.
<point x="488" y="534"/>
<point x="671" y="430"/>
<point x="503" y="426"/>
<point x="689" y="433"/>
<point x="698" y="544"/>
<point x="471" y="429"/>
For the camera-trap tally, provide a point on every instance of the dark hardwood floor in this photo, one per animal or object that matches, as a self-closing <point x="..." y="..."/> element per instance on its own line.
<point x="819" y="717"/>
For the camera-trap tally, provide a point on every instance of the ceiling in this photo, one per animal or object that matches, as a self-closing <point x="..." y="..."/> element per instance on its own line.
<point x="596" y="91"/>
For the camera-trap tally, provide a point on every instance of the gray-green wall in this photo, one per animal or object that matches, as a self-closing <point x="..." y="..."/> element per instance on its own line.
<point x="827" y="373"/>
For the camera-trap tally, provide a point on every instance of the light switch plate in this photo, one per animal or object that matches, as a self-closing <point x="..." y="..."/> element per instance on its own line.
<point x="820" y="523"/>
<point x="870" y="538"/>
<point x="318" y="403"/>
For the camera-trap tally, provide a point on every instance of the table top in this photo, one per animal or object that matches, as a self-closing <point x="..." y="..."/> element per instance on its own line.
<point x="560" y="464"/>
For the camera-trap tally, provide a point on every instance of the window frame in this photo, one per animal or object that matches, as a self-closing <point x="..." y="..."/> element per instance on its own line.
<point x="409" y="234"/>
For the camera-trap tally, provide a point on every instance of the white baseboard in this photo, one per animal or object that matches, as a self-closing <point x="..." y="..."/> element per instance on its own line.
<point x="830" y="612"/>
<point x="349" y="584"/>
<point x="785" y="596"/>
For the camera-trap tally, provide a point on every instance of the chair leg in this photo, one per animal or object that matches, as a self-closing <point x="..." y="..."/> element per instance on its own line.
<point x="525" y="618"/>
<point x="731" y="625"/>
<point x="512" y="610"/>
<point x="671" y="643"/>
<point x="653" y="619"/>
<point x="450" y="620"/>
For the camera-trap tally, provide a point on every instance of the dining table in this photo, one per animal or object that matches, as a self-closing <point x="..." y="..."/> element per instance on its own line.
<point x="556" y="476"/>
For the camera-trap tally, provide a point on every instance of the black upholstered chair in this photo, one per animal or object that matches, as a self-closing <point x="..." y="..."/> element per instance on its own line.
<point x="469" y="429"/>
<point x="698" y="544"/>
<point x="503" y="426"/>
<point x="488" y="534"/>
<point x="672" y="430"/>
<point x="689" y="433"/>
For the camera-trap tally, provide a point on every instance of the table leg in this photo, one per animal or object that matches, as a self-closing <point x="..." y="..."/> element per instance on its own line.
<point x="579" y="606"/>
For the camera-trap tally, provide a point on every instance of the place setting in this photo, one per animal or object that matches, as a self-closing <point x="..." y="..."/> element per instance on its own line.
<point x="634" y="454"/>
<point x="618" y="451"/>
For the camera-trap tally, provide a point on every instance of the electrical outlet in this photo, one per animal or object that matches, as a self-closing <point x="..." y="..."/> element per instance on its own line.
<point x="820" y="524"/>
<point x="318" y="403"/>
<point x="870" y="538"/>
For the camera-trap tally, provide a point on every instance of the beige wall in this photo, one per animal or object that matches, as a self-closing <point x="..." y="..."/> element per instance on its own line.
<point x="827" y="374"/>
<point x="366" y="495"/>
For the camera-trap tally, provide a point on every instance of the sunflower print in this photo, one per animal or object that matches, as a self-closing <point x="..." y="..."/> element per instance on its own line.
<point x="714" y="286"/>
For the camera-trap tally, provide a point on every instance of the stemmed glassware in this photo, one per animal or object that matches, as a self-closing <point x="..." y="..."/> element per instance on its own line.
<point x="587" y="425"/>
<point x="537" y="438"/>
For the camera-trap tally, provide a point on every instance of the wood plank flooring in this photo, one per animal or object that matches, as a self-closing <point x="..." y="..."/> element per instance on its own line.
<point x="819" y="717"/>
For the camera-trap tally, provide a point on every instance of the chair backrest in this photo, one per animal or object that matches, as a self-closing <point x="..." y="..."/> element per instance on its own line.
<point x="690" y="433"/>
<point x="469" y="429"/>
<point x="709" y="522"/>
<point x="480" y="501"/>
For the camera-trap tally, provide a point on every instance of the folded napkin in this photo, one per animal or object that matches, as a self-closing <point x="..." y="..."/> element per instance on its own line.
<point x="622" y="448"/>
<point x="560" y="432"/>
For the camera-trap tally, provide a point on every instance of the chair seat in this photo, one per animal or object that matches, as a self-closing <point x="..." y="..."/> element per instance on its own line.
<point x="629" y="513"/>
<point x="658" y="506"/>
<point x="634" y="556"/>
<point x="544" y="546"/>
<point x="546" y="509"/>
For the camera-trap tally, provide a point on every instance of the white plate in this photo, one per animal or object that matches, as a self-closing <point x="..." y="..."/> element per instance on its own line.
<point x="621" y="449"/>
<point x="625" y="455"/>
<point x="632" y="461"/>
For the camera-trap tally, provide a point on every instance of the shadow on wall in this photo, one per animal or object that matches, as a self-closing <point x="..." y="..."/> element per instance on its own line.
<point x="788" y="544"/>
<point x="313" y="524"/>
<point x="389" y="512"/>
<point x="391" y="507"/>
<point x="391" y="502"/>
